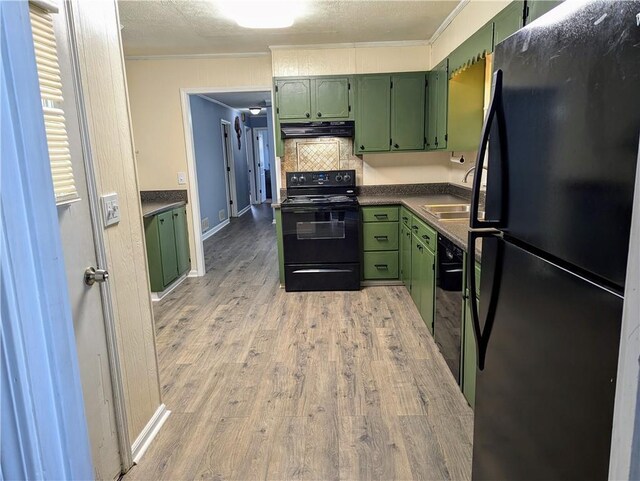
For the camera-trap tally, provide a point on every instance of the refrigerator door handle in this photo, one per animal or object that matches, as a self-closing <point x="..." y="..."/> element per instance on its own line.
<point x="482" y="335"/>
<point x="495" y="108"/>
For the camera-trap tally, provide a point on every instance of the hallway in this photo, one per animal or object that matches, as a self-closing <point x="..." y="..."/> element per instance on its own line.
<point x="269" y="385"/>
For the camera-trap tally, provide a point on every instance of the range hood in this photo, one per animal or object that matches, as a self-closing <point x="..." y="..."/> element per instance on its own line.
<point x="305" y="130"/>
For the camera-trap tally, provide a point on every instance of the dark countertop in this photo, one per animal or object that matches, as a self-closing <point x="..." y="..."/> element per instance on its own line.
<point x="456" y="231"/>
<point x="156" y="207"/>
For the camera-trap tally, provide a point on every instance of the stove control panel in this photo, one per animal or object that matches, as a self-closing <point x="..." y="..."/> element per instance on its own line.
<point x="343" y="178"/>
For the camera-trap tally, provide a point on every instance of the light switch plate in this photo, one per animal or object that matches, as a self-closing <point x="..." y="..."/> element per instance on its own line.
<point x="182" y="178"/>
<point x="110" y="209"/>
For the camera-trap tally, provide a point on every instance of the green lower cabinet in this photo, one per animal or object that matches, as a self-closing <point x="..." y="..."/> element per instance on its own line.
<point x="423" y="280"/>
<point x="468" y="340"/>
<point x="405" y="256"/>
<point x="182" y="239"/>
<point x="380" y="236"/>
<point x="167" y="244"/>
<point x="380" y="265"/>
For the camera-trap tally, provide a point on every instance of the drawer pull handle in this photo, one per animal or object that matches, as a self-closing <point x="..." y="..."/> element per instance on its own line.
<point x="381" y="266"/>
<point x="405" y="218"/>
<point x="381" y="237"/>
<point x="415" y="227"/>
<point x="426" y="237"/>
<point x="381" y="216"/>
<point x="419" y="247"/>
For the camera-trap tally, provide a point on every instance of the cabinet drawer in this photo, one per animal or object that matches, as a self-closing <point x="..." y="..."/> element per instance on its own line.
<point x="406" y="216"/>
<point x="380" y="236"/>
<point x="381" y="265"/>
<point x="380" y="214"/>
<point x="425" y="233"/>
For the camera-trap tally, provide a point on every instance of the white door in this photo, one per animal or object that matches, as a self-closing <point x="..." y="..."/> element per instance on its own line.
<point x="227" y="157"/>
<point x="262" y="161"/>
<point x="76" y="229"/>
<point x="251" y="165"/>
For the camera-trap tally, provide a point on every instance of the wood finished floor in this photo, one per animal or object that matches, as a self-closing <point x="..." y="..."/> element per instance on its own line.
<point x="269" y="385"/>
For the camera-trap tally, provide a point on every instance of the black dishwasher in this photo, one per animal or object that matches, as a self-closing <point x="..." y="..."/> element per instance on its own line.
<point x="447" y="326"/>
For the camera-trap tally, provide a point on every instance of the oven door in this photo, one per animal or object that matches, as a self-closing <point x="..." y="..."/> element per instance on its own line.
<point x="320" y="235"/>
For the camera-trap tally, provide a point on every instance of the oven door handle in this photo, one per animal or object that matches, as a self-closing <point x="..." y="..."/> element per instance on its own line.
<point x="307" y="210"/>
<point x="320" y="271"/>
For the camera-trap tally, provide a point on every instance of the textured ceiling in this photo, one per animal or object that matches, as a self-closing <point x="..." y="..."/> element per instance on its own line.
<point x="242" y="100"/>
<point x="177" y="27"/>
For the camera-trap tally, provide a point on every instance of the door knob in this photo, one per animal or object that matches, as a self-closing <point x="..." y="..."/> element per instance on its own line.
<point x="319" y="114"/>
<point x="93" y="275"/>
<point x="396" y="146"/>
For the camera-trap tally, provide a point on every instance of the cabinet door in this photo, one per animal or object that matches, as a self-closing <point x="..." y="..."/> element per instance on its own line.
<point x="442" y="86"/>
<point x="508" y="21"/>
<point x="331" y="98"/>
<point x="416" y="272"/>
<point x="407" y="111"/>
<point x="427" y="298"/>
<point x="537" y="8"/>
<point x="405" y="256"/>
<point x="182" y="239"/>
<point x="432" y="110"/>
<point x="167" y="247"/>
<point x="373" y="113"/>
<point x="293" y="99"/>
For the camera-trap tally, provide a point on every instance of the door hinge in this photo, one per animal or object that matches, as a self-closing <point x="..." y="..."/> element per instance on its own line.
<point x="230" y="202"/>
<point x="276" y="89"/>
<point x="526" y="14"/>
<point x="424" y="141"/>
<point x="277" y="110"/>
<point x="349" y="108"/>
<point x="226" y="135"/>
<point x="228" y="169"/>
<point x="390" y="142"/>
<point x="349" y="86"/>
<point x="446" y="137"/>
<point x="436" y="140"/>
<point x="426" y="82"/>
<point x="392" y="84"/>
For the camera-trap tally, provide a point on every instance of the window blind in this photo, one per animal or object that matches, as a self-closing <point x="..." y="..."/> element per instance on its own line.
<point x="44" y="42"/>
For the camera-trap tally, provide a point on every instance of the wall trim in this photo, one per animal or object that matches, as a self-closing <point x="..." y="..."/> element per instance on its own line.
<point x="244" y="211"/>
<point x="197" y="56"/>
<point x="217" y="228"/>
<point x="142" y="442"/>
<point x="158" y="296"/>
<point x="391" y="43"/>
<point x="447" y="21"/>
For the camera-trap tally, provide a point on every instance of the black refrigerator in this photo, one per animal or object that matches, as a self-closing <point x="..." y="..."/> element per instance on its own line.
<point x="562" y="130"/>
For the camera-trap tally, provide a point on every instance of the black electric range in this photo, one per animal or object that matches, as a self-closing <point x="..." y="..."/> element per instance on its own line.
<point x="321" y="231"/>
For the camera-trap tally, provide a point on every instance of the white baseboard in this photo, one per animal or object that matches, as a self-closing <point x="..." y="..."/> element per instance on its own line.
<point x="245" y="210"/>
<point x="156" y="296"/>
<point x="193" y="273"/>
<point x="217" y="228"/>
<point x="149" y="432"/>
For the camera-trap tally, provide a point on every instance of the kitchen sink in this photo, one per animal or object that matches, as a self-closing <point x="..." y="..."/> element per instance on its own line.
<point x="450" y="212"/>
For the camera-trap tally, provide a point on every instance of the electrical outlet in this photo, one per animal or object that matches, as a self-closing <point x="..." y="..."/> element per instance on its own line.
<point x="222" y="215"/>
<point x="110" y="209"/>
<point x="182" y="178"/>
<point x="204" y="224"/>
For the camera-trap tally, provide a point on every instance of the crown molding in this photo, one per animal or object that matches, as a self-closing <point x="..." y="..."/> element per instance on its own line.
<point x="197" y="56"/>
<point x="317" y="46"/>
<point x="447" y="21"/>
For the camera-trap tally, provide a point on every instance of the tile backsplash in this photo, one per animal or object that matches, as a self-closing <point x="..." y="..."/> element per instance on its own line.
<point x="322" y="153"/>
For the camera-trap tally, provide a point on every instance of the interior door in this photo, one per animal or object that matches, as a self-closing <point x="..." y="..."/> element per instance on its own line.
<point x="261" y="159"/>
<point x="76" y="229"/>
<point x="251" y="165"/>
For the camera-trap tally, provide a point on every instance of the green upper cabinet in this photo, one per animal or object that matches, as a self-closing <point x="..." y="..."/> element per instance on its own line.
<point x="313" y="98"/>
<point x="373" y="113"/>
<point x="330" y="98"/>
<point x="293" y="99"/>
<point x="408" y="111"/>
<point x="472" y="49"/>
<point x="437" y="109"/>
<point x="182" y="239"/>
<point x="536" y="8"/>
<point x="508" y="21"/>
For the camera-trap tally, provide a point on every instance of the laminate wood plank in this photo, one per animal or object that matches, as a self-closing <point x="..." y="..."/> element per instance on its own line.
<point x="266" y="384"/>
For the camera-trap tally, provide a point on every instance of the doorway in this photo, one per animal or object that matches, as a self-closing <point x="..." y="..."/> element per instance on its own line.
<point x="263" y="168"/>
<point x="230" y="172"/>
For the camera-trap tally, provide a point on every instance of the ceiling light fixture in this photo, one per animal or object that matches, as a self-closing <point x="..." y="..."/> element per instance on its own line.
<point x="262" y="14"/>
<point x="255" y="110"/>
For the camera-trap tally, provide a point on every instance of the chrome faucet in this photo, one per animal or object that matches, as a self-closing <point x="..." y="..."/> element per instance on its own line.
<point x="466" y="175"/>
